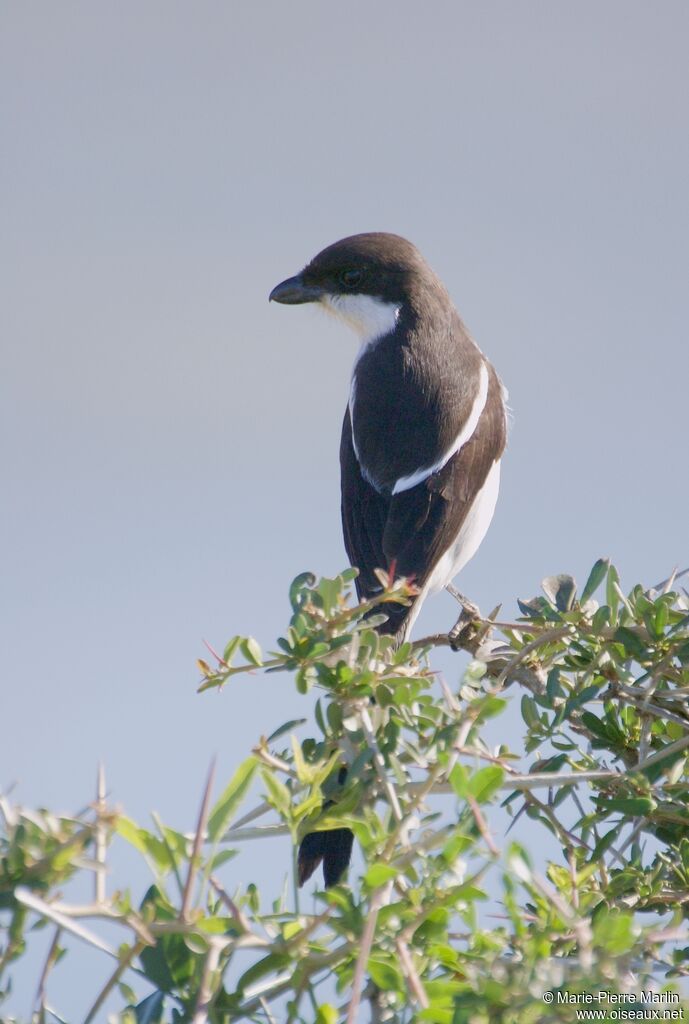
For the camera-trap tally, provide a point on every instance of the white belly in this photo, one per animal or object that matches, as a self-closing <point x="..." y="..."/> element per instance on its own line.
<point x="466" y="544"/>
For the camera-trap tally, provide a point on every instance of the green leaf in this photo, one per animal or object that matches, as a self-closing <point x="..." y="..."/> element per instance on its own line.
<point x="330" y="591"/>
<point x="615" y="930"/>
<point x="287" y="727"/>
<point x="529" y="712"/>
<point x="485" y="782"/>
<point x="601" y="619"/>
<point x="298" y="591"/>
<point x="385" y="975"/>
<point x="230" y="648"/>
<point x="148" y="844"/>
<point x="661" y="618"/>
<point x="326" y="1014"/>
<point x="635" y="807"/>
<point x="278" y="794"/>
<point x="603" y="843"/>
<point x="560" y="591"/>
<point x="270" y="964"/>
<point x="595" y="725"/>
<point x="251" y="651"/>
<point x="553" y="688"/>
<point x="631" y="642"/>
<point x="229" y="801"/>
<point x="222" y="857"/>
<point x="305" y="772"/>
<point x="459" y="780"/>
<point x="534" y="607"/>
<point x="596" y="577"/>
<point x="379" y="874"/>
<point x="611" y="596"/>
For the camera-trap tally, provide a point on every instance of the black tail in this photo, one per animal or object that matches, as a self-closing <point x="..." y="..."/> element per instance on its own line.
<point x="334" y="848"/>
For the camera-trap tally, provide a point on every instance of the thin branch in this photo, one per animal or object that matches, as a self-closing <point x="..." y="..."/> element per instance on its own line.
<point x="47" y="966"/>
<point x="266" y="1009"/>
<point x="239" y="916"/>
<point x="198" y="843"/>
<point x="482" y="825"/>
<point x="242" y="834"/>
<point x="416" y="989"/>
<point x="283" y="982"/>
<point x="114" y="978"/>
<point x="380" y="898"/>
<point x="379" y="763"/>
<point x="28" y="899"/>
<point x="170" y="852"/>
<point x="548" y="779"/>
<point x="660" y="755"/>
<point x="263" y="754"/>
<point x="548" y="636"/>
<point x="101" y="837"/>
<point x="263" y="808"/>
<point x="205" y="995"/>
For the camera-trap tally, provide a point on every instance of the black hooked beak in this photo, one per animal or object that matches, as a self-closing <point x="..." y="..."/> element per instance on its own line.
<point x="293" y="291"/>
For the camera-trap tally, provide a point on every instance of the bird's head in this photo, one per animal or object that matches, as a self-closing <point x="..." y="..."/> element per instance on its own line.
<point x="364" y="280"/>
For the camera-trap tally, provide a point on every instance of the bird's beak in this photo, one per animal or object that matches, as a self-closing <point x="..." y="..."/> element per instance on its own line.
<point x="293" y="291"/>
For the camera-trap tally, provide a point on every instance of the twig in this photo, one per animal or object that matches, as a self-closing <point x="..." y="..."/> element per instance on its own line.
<point x="28" y="899"/>
<point x="645" y="707"/>
<point x="49" y="961"/>
<point x="272" y="761"/>
<point x="482" y="824"/>
<point x="239" y="916"/>
<point x="263" y="808"/>
<point x="379" y="763"/>
<point x="282" y="982"/>
<point x="198" y="842"/>
<point x="532" y="678"/>
<point x="548" y="779"/>
<point x="101" y="837"/>
<point x="259" y="832"/>
<point x="549" y="636"/>
<point x="123" y="965"/>
<point x="380" y="898"/>
<point x="205" y="996"/>
<point x="660" y="755"/>
<point x="266" y="1009"/>
<point x="170" y="852"/>
<point x="567" y="838"/>
<point x="416" y="988"/>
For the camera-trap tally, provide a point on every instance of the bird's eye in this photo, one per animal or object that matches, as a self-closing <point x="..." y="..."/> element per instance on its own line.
<point x="351" y="278"/>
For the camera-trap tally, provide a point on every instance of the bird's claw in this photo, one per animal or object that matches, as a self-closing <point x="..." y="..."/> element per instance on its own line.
<point x="466" y="624"/>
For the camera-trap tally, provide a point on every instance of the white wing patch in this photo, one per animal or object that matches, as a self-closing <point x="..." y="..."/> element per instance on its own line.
<point x="406" y="482"/>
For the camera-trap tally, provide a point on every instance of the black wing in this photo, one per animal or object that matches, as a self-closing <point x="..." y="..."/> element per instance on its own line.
<point x="416" y="527"/>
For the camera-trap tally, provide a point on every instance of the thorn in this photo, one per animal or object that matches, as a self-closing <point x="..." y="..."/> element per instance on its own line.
<point x="221" y="661"/>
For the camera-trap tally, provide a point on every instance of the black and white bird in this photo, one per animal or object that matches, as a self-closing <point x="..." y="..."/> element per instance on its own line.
<point x="425" y="425"/>
<point x="423" y="434"/>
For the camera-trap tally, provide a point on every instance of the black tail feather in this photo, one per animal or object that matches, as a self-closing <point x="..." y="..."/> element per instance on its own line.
<point x="334" y="848"/>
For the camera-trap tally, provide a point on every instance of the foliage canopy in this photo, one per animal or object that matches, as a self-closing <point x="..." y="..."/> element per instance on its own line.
<point x="417" y="933"/>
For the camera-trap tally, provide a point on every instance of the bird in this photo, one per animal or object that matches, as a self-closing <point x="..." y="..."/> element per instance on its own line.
<point x="424" y="431"/>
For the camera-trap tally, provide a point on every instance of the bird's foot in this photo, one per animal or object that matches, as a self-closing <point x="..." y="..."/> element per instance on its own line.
<point x="468" y="606"/>
<point x="466" y="623"/>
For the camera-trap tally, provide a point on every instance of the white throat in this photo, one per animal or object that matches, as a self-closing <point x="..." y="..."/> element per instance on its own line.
<point x="368" y="317"/>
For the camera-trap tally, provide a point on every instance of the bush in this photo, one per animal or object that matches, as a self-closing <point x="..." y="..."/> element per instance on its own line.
<point x="603" y="770"/>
